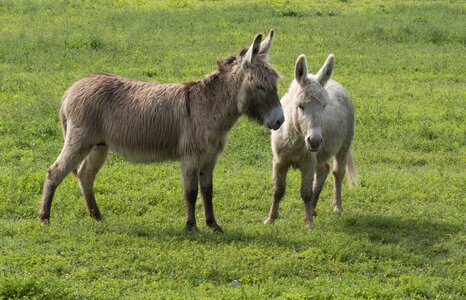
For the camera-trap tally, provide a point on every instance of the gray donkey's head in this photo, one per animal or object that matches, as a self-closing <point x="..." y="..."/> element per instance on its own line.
<point x="310" y="101"/>
<point x="258" y="98"/>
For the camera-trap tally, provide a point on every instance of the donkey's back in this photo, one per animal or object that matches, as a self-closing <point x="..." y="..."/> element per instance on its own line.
<point x="338" y="122"/>
<point x="141" y="121"/>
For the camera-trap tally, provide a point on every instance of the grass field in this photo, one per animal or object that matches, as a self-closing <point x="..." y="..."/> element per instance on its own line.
<point x="402" y="233"/>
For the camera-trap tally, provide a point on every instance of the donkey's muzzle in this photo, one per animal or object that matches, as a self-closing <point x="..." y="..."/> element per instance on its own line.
<point x="313" y="143"/>
<point x="275" y="119"/>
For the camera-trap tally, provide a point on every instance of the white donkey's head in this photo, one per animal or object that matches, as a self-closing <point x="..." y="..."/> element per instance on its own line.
<point x="310" y="100"/>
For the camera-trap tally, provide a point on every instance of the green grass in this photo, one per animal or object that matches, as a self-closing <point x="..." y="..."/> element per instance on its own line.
<point x="402" y="234"/>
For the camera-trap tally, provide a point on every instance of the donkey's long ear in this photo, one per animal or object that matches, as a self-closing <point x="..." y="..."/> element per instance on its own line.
<point x="265" y="45"/>
<point x="326" y="71"/>
<point x="300" y="71"/>
<point x="253" y="50"/>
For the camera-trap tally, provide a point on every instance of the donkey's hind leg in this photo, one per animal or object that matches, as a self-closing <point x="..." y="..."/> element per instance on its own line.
<point x="87" y="173"/>
<point x="70" y="157"/>
<point x="339" y="167"/>
<point x="307" y="178"/>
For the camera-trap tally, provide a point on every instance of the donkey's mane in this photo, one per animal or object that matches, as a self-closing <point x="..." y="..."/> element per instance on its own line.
<point x="223" y="66"/>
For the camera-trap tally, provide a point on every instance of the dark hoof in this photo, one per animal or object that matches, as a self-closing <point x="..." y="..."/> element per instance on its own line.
<point x="215" y="227"/>
<point x="94" y="213"/>
<point x="192" y="228"/>
<point x="44" y="218"/>
<point x="97" y="217"/>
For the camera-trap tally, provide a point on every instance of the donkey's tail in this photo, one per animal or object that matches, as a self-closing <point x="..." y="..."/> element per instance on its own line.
<point x="63" y="122"/>
<point x="353" y="176"/>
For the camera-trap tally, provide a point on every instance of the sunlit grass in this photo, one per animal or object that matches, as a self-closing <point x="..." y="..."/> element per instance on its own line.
<point x="402" y="231"/>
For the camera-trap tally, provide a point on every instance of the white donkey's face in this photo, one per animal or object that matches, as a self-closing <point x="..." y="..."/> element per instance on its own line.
<point x="310" y="101"/>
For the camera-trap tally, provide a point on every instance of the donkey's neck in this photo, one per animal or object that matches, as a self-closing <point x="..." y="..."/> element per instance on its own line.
<point x="215" y="98"/>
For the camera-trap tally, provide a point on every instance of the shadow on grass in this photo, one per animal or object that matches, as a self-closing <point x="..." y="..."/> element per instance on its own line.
<point x="349" y="238"/>
<point x="412" y="236"/>
<point x="230" y="236"/>
<point x="387" y="229"/>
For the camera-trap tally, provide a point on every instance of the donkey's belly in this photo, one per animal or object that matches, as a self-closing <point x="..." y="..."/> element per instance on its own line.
<point x="143" y="145"/>
<point x="145" y="156"/>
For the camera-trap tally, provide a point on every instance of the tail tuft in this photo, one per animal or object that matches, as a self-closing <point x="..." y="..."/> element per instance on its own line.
<point x="352" y="174"/>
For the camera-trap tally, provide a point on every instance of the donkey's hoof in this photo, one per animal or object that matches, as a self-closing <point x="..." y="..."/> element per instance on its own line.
<point x="44" y="218"/>
<point x="269" y="220"/>
<point x="95" y="214"/>
<point x="337" y="209"/>
<point x="45" y="221"/>
<point x="100" y="218"/>
<point x="310" y="225"/>
<point x="217" y="229"/>
<point x="192" y="228"/>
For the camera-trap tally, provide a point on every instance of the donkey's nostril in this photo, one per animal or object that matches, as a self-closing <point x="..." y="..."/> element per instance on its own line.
<point x="276" y="124"/>
<point x="313" y="143"/>
<point x="280" y="121"/>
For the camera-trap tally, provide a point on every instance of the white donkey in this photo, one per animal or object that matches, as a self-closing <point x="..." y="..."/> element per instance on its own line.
<point x="319" y="125"/>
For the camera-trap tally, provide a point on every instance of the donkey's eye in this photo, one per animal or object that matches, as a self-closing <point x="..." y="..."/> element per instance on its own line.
<point x="260" y="88"/>
<point x="301" y="108"/>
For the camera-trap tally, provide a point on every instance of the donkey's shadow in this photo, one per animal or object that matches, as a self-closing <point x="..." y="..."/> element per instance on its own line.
<point x="371" y="233"/>
<point x="231" y="235"/>
<point x="419" y="237"/>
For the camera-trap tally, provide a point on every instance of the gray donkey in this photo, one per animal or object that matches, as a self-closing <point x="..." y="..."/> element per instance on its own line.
<point x="152" y="122"/>
<point x="319" y="125"/>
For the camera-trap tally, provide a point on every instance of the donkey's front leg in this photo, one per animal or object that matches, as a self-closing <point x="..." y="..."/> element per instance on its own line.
<point x="206" y="179"/>
<point x="279" y="185"/>
<point x="307" y="176"/>
<point x="319" y="179"/>
<point x="190" y="187"/>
